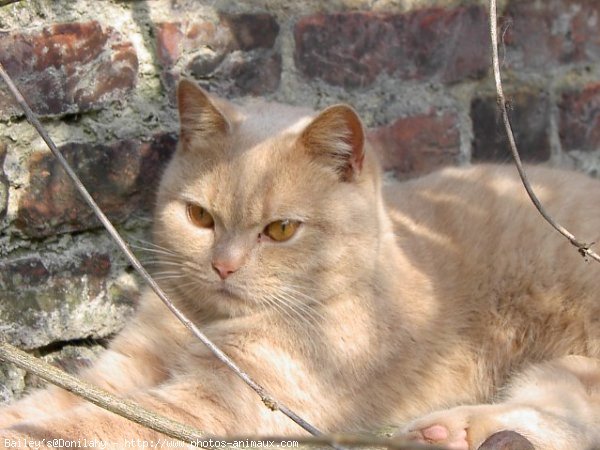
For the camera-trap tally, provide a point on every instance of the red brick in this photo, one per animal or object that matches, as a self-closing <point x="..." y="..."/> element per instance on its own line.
<point x="252" y="31"/>
<point x="241" y="74"/>
<point x="353" y="49"/>
<point x="417" y="145"/>
<point x="542" y="34"/>
<point x="121" y="177"/>
<point x="580" y="119"/>
<point x="242" y="59"/>
<point x="530" y="120"/>
<point x="67" y="68"/>
<point x="168" y="38"/>
<point x="34" y="271"/>
<point x="30" y="271"/>
<point x="177" y="38"/>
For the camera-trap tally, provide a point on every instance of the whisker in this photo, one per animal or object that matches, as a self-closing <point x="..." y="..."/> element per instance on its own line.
<point x="274" y="302"/>
<point x="294" y="290"/>
<point x="180" y="264"/>
<point x="166" y="275"/>
<point x="288" y="298"/>
<point x="301" y="313"/>
<point x="155" y="250"/>
<point x="152" y="247"/>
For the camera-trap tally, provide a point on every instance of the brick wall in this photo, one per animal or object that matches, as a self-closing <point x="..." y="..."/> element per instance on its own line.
<point x="101" y="75"/>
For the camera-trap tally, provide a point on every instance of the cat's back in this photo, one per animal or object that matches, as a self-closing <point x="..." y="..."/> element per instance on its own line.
<point x="462" y="206"/>
<point x="495" y="261"/>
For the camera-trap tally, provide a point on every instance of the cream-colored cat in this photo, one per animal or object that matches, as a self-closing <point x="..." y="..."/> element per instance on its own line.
<point x="356" y="305"/>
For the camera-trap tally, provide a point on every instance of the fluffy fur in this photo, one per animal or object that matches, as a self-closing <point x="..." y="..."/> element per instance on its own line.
<point x="388" y="304"/>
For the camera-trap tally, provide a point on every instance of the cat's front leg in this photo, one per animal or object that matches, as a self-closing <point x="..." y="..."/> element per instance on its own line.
<point x="137" y="359"/>
<point x="212" y="399"/>
<point x="115" y="372"/>
<point x="555" y="405"/>
<point x="37" y="404"/>
<point x="83" y="424"/>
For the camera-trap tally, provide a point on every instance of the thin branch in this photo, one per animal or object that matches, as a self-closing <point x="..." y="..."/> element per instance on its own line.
<point x="123" y="407"/>
<point x="266" y="398"/>
<point x="583" y="248"/>
<point x="7" y="2"/>
<point x="347" y="440"/>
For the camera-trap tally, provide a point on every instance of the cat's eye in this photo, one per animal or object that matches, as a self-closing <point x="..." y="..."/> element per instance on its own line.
<point x="199" y="216"/>
<point x="282" y="230"/>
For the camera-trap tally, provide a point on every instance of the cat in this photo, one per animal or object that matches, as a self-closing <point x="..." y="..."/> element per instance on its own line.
<point x="444" y="306"/>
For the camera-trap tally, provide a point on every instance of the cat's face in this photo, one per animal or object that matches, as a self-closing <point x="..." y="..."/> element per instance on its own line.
<point x="264" y="207"/>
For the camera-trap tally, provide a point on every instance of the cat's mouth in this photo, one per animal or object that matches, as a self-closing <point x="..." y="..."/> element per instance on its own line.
<point x="231" y="300"/>
<point x="229" y="291"/>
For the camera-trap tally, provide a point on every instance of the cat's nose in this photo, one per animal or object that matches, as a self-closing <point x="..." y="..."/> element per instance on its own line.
<point x="224" y="268"/>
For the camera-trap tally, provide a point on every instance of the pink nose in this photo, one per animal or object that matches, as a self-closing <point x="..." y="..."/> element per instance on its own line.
<point x="224" y="269"/>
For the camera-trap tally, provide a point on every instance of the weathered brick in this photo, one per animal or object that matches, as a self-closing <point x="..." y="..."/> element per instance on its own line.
<point x="543" y="34"/>
<point x="33" y="271"/>
<point x="252" y="31"/>
<point x="352" y="49"/>
<point x="530" y="119"/>
<point x="580" y="119"/>
<point x="176" y="38"/>
<point x="241" y="74"/>
<point x="121" y="177"/>
<point x="417" y="145"/>
<point x="235" y="56"/>
<point x="66" y="68"/>
<point x="48" y="298"/>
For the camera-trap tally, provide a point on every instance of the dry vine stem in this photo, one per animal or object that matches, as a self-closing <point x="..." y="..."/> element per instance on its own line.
<point x="584" y="249"/>
<point x="269" y="401"/>
<point x="348" y="440"/>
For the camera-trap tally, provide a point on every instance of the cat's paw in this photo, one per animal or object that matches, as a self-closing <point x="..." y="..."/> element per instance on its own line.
<point x="439" y="430"/>
<point x="461" y="428"/>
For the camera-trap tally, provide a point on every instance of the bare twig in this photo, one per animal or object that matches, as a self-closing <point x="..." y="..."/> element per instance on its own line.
<point x="347" y="440"/>
<point x="7" y="2"/>
<point x="266" y="398"/>
<point x="122" y="407"/>
<point x="583" y="248"/>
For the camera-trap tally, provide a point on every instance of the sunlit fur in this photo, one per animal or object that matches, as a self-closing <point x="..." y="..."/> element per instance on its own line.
<point x="388" y="303"/>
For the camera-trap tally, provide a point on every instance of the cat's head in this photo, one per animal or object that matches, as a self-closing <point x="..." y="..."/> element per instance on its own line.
<point x="265" y="206"/>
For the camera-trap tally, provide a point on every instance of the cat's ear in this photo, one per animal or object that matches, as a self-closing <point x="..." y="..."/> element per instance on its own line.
<point x="199" y="116"/>
<point x="336" y="137"/>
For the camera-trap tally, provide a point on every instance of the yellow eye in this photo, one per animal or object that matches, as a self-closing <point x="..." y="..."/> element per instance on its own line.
<point x="199" y="216"/>
<point x="282" y="230"/>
